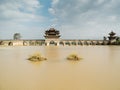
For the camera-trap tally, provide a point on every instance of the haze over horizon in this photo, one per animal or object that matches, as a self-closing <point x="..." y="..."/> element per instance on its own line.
<point x="75" y="19"/>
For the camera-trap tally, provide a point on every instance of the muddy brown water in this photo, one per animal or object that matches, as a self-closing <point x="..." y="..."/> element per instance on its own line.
<point x="99" y="68"/>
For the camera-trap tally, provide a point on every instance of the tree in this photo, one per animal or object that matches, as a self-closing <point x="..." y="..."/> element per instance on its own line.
<point x="118" y="40"/>
<point x="17" y="36"/>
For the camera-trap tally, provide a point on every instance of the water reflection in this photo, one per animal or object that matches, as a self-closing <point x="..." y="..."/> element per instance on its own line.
<point x="114" y="62"/>
<point x="38" y="63"/>
<point x="52" y="53"/>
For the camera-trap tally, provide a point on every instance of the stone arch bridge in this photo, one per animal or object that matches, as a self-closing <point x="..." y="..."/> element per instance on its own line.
<point x="59" y="42"/>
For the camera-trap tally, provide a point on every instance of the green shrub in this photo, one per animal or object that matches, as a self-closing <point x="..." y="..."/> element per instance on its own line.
<point x="73" y="57"/>
<point x="36" y="57"/>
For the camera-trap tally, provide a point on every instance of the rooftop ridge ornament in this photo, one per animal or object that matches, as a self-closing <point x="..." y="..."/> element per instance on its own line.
<point x="112" y="33"/>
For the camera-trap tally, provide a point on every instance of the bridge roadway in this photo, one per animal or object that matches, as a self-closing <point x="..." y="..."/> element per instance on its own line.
<point x="48" y="42"/>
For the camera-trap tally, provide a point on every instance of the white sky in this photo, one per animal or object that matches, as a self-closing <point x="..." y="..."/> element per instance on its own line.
<point x="75" y="19"/>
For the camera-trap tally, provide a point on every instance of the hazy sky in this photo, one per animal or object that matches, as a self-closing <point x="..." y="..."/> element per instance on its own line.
<point x="77" y="19"/>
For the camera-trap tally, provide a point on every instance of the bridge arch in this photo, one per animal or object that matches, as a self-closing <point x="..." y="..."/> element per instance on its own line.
<point x="80" y="43"/>
<point x="25" y="43"/>
<point x="73" y="43"/>
<point x="61" y="43"/>
<point x="52" y="42"/>
<point x="10" y="43"/>
<point x="67" y="43"/>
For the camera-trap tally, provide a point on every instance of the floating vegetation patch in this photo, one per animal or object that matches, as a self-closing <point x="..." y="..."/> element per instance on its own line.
<point x="36" y="57"/>
<point x="73" y="57"/>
